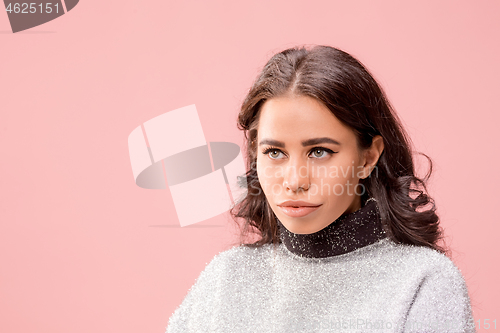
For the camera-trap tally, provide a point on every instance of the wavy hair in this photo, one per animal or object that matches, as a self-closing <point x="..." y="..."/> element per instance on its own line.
<point x="350" y="92"/>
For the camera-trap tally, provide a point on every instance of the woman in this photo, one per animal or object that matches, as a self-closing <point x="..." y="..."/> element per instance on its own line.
<point x="347" y="237"/>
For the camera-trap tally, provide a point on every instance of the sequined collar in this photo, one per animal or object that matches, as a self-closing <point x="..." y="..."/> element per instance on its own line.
<point x="347" y="233"/>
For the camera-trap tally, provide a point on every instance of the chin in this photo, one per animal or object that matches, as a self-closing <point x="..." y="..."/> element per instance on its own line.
<point x="298" y="227"/>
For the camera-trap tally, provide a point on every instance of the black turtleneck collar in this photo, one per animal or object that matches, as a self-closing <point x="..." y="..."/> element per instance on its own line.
<point x="347" y="233"/>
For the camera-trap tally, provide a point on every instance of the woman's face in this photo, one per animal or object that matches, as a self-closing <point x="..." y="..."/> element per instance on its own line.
<point x="305" y="153"/>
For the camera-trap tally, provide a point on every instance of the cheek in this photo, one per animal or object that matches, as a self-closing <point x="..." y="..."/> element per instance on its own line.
<point x="336" y="177"/>
<point x="263" y="174"/>
<point x="260" y="171"/>
<point x="269" y="178"/>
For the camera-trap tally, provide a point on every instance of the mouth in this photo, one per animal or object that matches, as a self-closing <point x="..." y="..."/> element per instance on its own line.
<point x="298" y="211"/>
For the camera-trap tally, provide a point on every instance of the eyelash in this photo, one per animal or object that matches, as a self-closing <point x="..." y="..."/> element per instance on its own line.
<point x="270" y="149"/>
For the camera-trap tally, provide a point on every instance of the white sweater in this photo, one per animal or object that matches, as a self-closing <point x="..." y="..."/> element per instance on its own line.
<point x="373" y="285"/>
<point x="382" y="287"/>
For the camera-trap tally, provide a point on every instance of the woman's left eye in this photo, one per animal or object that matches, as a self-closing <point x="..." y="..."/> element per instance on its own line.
<point x="322" y="152"/>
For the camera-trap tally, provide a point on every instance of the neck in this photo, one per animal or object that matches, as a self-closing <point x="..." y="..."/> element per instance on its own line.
<point x="349" y="232"/>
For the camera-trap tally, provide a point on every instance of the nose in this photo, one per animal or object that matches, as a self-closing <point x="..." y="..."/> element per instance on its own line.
<point x="296" y="176"/>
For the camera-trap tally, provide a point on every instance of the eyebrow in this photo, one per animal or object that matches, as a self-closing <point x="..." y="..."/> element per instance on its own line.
<point x="305" y="143"/>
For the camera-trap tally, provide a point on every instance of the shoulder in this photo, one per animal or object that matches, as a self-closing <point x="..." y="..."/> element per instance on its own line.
<point x="433" y="275"/>
<point x="217" y="284"/>
<point x="441" y="298"/>
<point x="239" y="257"/>
<point x="238" y="251"/>
<point x="419" y="258"/>
<point x="417" y="268"/>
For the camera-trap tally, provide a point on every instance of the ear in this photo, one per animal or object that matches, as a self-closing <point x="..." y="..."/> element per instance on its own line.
<point x="371" y="156"/>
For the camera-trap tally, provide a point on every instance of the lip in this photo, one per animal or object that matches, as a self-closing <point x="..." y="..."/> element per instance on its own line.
<point x="297" y="208"/>
<point x="297" y="203"/>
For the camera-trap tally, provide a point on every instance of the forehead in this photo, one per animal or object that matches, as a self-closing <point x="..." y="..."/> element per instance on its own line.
<point x="295" y="118"/>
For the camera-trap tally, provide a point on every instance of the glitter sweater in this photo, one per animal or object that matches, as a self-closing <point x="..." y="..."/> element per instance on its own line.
<point x="348" y="277"/>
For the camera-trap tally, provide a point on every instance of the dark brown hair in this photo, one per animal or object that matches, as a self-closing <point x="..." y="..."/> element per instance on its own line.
<point x="350" y="92"/>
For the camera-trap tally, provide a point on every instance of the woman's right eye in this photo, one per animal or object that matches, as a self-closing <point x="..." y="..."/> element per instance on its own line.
<point x="273" y="153"/>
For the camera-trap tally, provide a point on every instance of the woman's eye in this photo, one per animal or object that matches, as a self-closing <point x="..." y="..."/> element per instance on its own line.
<point x="318" y="152"/>
<point x="321" y="152"/>
<point x="273" y="153"/>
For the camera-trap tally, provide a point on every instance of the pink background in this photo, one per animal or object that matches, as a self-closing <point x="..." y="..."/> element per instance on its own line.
<point x="83" y="249"/>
